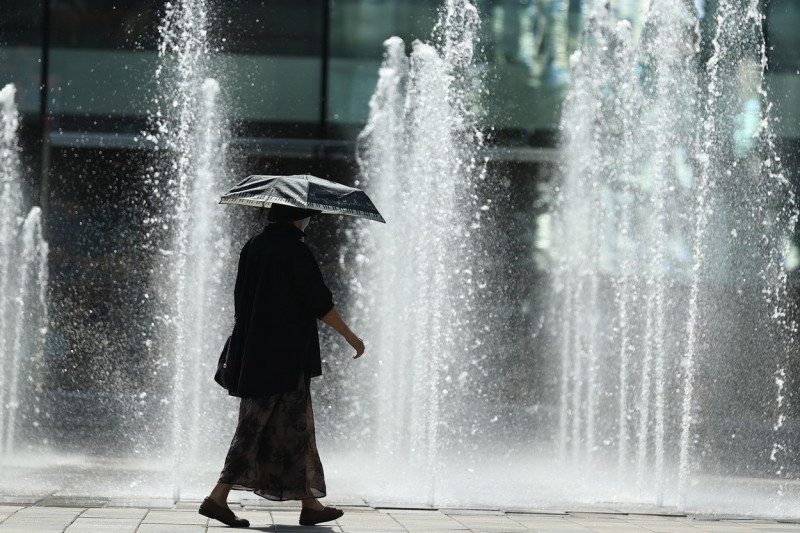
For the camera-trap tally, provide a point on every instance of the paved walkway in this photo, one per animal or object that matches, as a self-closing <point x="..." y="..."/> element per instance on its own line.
<point x="87" y="517"/>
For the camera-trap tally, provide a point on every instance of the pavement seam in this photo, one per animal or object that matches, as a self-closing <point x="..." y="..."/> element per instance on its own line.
<point x="12" y="514"/>
<point x="397" y="521"/>
<point x="73" y="519"/>
<point x="106" y="507"/>
<point x="141" y="521"/>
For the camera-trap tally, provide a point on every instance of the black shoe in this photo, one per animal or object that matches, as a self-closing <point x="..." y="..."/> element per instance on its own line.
<point x="310" y="517"/>
<point x="211" y="509"/>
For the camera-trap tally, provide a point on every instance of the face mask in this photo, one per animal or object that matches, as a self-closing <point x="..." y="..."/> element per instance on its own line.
<point x="304" y="223"/>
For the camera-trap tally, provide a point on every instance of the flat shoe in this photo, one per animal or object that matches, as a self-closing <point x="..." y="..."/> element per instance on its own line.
<point x="211" y="509"/>
<point x="310" y="517"/>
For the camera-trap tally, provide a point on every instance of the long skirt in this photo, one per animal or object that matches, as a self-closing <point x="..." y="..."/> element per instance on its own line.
<point x="274" y="451"/>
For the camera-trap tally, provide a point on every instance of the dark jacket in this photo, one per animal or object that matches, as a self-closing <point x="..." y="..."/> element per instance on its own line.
<point x="278" y="297"/>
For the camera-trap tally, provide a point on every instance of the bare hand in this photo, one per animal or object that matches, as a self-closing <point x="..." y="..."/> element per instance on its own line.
<point x="334" y="320"/>
<point x="356" y="343"/>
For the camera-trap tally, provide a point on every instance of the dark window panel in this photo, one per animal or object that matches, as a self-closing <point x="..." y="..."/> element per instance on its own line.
<point x="359" y="27"/>
<point x="131" y="24"/>
<point x="783" y="25"/>
<point x="285" y="27"/>
<point x="20" y="23"/>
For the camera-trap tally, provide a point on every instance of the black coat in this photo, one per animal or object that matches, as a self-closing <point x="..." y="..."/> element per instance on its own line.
<point x="278" y="297"/>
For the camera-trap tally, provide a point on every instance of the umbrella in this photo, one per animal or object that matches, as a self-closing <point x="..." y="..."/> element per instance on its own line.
<point x="303" y="191"/>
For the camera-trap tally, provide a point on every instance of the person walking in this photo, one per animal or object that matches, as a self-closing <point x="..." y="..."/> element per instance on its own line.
<point x="278" y="297"/>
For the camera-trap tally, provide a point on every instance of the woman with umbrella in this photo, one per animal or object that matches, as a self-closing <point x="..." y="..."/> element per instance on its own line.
<point x="279" y="295"/>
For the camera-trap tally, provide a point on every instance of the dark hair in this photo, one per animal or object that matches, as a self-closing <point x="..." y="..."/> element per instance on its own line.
<point x="287" y="213"/>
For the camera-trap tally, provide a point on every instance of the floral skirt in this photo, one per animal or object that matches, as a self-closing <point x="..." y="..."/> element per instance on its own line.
<point x="274" y="450"/>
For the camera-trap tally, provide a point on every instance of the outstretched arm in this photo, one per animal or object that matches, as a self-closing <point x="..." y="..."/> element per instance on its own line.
<point x="334" y="320"/>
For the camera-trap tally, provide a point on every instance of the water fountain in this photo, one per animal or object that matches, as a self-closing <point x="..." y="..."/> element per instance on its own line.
<point x="23" y="289"/>
<point x="672" y="218"/>
<point x="670" y="223"/>
<point x="166" y="406"/>
<point x="417" y="280"/>
<point x="194" y="271"/>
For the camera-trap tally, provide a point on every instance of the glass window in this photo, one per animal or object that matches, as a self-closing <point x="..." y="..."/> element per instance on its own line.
<point x="525" y="47"/>
<point x="271" y="55"/>
<point x="99" y="24"/>
<point x="21" y="23"/>
<point x="273" y="28"/>
<point x="20" y="50"/>
<point x="269" y="64"/>
<point x="272" y="65"/>
<point x="783" y="21"/>
<point x="783" y="49"/>
<point x="358" y="30"/>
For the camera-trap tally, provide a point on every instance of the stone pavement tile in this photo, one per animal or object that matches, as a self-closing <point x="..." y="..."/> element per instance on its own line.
<point x="115" y="512"/>
<point x="103" y="525"/>
<point x="219" y="527"/>
<point x="367" y="519"/>
<point x="159" y="516"/>
<point x="30" y="521"/>
<point x="286" y="518"/>
<point x="472" y="512"/>
<point x="50" y="511"/>
<point x="364" y="524"/>
<point x="372" y="529"/>
<point x="668" y="525"/>
<point x="672" y="528"/>
<point x="257" y="518"/>
<point x="554" y="526"/>
<point x="434" y="530"/>
<point x="722" y="523"/>
<point x="623" y="527"/>
<point x="534" y="522"/>
<point x="358" y="527"/>
<point x="170" y="528"/>
<point x="144" y="503"/>
<point x="722" y="527"/>
<point x="420" y="524"/>
<point x="704" y="529"/>
<point x="308" y="529"/>
<point x="30" y="529"/>
<point x="572" y="528"/>
<point x="421" y="528"/>
<point x="42" y="518"/>
<point x="426" y="521"/>
<point x="610" y="526"/>
<point x="489" y="523"/>
<point x="418" y="514"/>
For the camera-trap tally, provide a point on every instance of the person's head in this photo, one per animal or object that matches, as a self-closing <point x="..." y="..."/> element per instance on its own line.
<point x="280" y="213"/>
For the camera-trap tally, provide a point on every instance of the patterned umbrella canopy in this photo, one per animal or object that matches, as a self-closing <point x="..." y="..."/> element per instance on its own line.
<point x="303" y="191"/>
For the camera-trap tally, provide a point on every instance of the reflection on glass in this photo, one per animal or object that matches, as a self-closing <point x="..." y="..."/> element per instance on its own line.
<point x="273" y="55"/>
